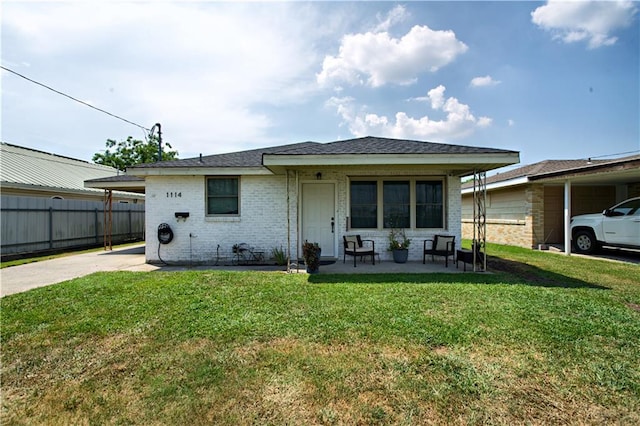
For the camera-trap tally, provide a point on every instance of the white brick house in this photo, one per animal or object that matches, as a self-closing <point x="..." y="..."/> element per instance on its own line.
<point x="281" y="196"/>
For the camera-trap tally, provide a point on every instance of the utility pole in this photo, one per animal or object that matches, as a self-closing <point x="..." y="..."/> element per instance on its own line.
<point x="159" y="127"/>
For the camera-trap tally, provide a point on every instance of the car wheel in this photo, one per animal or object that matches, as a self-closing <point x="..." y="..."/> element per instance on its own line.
<point x="585" y="242"/>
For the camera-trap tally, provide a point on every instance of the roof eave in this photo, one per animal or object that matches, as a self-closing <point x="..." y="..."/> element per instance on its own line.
<point x="483" y="162"/>
<point x="137" y="187"/>
<point x="501" y="184"/>
<point x="620" y="166"/>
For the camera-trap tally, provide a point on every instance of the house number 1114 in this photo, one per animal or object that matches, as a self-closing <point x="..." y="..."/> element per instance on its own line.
<point x="174" y="194"/>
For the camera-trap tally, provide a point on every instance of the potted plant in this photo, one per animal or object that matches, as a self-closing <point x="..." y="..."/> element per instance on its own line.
<point x="311" y="254"/>
<point x="399" y="245"/>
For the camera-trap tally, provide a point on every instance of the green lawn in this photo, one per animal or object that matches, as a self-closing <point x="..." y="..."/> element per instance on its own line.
<point x="543" y="339"/>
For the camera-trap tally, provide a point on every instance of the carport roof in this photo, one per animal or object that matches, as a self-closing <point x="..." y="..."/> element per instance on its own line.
<point x="121" y="182"/>
<point x="618" y="170"/>
<point x="626" y="169"/>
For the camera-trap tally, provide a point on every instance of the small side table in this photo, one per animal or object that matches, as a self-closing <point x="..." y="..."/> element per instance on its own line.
<point x="466" y="256"/>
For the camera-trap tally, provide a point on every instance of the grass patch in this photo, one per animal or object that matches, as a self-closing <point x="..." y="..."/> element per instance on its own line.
<point x="542" y="339"/>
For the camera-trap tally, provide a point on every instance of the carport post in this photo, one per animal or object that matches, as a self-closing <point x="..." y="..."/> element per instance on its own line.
<point x="567" y="217"/>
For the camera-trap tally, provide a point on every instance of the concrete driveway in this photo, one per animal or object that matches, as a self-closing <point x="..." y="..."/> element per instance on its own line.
<point x="605" y="253"/>
<point x="16" y="279"/>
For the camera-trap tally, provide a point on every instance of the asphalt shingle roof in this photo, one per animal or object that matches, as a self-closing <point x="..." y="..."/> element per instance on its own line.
<point x="549" y="166"/>
<point x="251" y="158"/>
<point x="373" y="145"/>
<point x="367" y="145"/>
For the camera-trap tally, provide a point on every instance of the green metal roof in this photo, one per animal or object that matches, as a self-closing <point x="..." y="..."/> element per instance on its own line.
<point x="32" y="169"/>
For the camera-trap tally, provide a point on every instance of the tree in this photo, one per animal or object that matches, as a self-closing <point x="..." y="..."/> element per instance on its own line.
<point x="133" y="151"/>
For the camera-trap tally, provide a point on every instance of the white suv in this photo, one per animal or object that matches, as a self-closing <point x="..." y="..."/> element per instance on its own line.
<point x="618" y="226"/>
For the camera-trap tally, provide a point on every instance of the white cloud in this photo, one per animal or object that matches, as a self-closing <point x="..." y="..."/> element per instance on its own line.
<point x="458" y="122"/>
<point x="591" y="21"/>
<point x="343" y="107"/>
<point x="377" y="58"/>
<point x="484" y="81"/>
<point x="484" y="121"/>
<point x="436" y="96"/>
<point x="396" y="15"/>
<point x="206" y="71"/>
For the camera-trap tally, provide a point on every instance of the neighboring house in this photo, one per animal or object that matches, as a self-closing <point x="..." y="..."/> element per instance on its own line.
<point x="45" y="205"/>
<point x="279" y="197"/>
<point x="31" y="173"/>
<point x="527" y="206"/>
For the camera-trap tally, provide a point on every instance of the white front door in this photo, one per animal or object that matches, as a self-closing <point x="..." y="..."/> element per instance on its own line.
<point x="318" y="216"/>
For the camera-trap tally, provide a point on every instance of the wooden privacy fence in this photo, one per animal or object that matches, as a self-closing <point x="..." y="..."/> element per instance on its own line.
<point x="34" y="224"/>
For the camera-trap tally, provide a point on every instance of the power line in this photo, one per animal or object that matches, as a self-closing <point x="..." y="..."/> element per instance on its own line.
<point x="74" y="99"/>
<point x="615" y="155"/>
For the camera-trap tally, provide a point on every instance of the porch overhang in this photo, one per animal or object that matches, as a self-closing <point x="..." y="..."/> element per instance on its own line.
<point x="134" y="185"/>
<point x="457" y="164"/>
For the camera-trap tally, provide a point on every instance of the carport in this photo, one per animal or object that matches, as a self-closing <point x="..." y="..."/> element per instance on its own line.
<point x="110" y="184"/>
<point x="624" y="174"/>
<point x="532" y="205"/>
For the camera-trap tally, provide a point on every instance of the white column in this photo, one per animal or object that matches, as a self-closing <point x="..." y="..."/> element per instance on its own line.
<point x="567" y="217"/>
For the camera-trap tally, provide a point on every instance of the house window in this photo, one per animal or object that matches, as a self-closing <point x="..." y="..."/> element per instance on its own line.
<point x="397" y="204"/>
<point x="429" y="205"/>
<point x="222" y="196"/>
<point x="364" y="204"/>
<point x="400" y="203"/>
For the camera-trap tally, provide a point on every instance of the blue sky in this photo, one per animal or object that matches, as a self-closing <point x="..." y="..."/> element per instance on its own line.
<point x="553" y="80"/>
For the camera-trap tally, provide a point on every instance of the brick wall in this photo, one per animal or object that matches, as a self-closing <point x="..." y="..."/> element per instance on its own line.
<point x="509" y="215"/>
<point x="539" y="216"/>
<point x="262" y="222"/>
<point x="263" y="216"/>
<point x="454" y="213"/>
<point x="514" y="233"/>
<point x="534" y="212"/>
